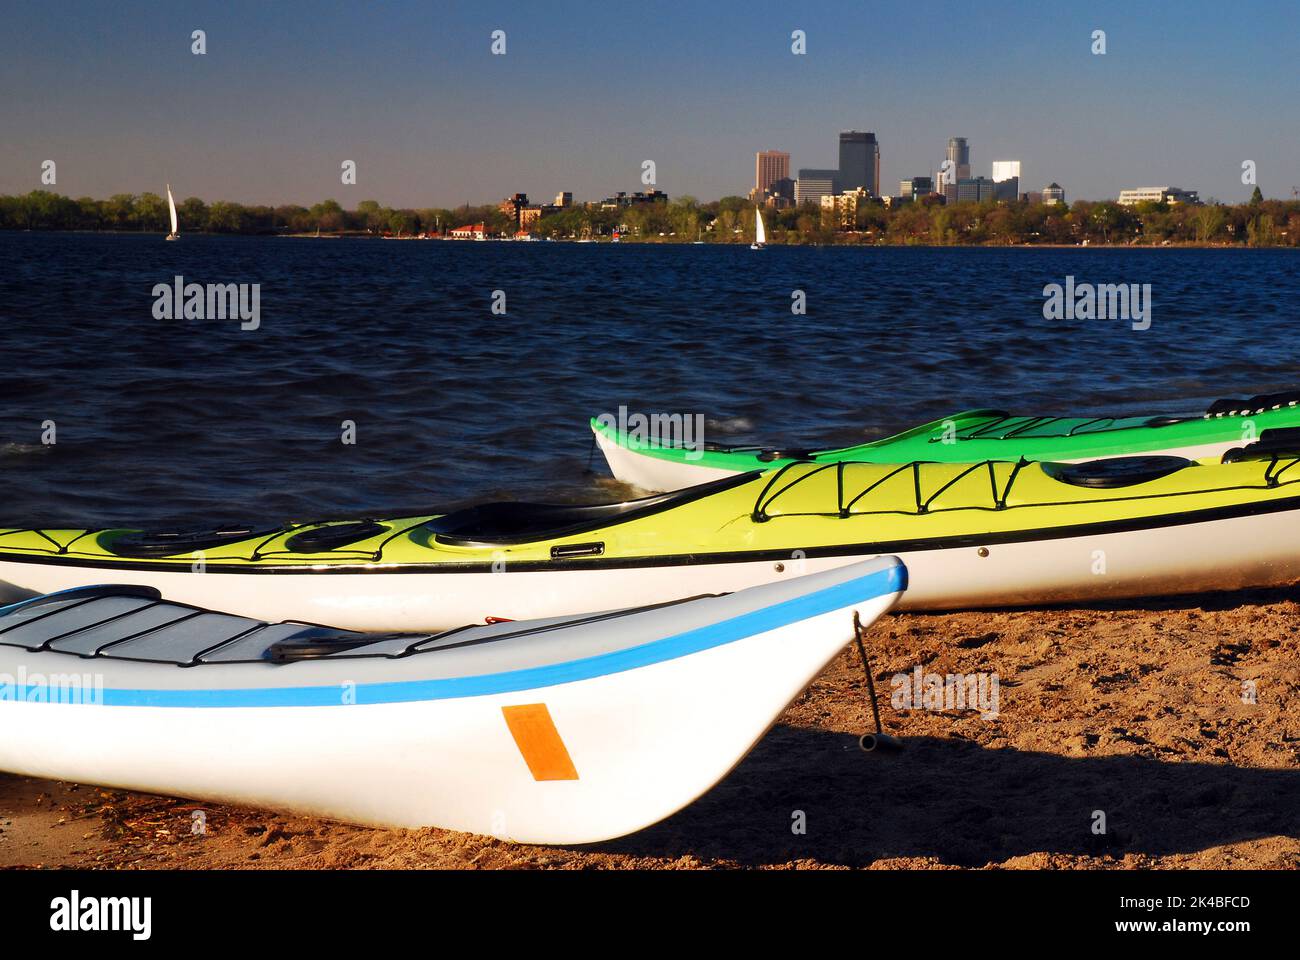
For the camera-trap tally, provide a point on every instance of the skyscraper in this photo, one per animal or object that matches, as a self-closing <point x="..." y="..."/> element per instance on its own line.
<point x="1005" y="170"/>
<point x="959" y="157"/>
<point x="1006" y="179"/>
<point x="859" y="161"/>
<point x="769" y="167"/>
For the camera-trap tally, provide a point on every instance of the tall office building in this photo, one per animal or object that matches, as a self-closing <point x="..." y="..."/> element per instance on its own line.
<point x="769" y="167"/>
<point x="1052" y="193"/>
<point x="1005" y="170"/>
<point x="859" y="161"/>
<point x="1008" y="189"/>
<point x="975" y="190"/>
<point x="1006" y="179"/>
<point x="812" y="185"/>
<point x="959" y="158"/>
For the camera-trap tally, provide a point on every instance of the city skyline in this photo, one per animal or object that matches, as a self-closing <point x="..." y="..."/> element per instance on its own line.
<point x="859" y="173"/>
<point x="416" y="99"/>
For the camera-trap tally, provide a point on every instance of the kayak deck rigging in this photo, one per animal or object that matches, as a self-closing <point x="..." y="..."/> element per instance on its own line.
<point x="127" y="622"/>
<point x="919" y="487"/>
<point x="716" y="518"/>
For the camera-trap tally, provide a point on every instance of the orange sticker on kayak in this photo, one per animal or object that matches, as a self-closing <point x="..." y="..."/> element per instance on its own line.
<point x="539" y="742"/>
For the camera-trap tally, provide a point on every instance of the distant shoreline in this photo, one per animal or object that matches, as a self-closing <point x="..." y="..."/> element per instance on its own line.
<point x="657" y="241"/>
<point x="850" y="220"/>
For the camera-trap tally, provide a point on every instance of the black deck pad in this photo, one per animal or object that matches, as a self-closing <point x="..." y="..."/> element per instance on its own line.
<point x="148" y="543"/>
<point x="513" y="522"/>
<point x="1116" y="471"/>
<point x="331" y="536"/>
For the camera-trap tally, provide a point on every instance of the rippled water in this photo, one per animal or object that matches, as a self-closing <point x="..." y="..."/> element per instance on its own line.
<point x="198" y="421"/>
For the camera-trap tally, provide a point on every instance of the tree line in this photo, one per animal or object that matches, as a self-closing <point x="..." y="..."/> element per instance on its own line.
<point x="1259" y="222"/>
<point x="147" y="213"/>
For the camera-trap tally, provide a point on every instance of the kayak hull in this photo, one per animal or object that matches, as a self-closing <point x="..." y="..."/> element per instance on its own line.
<point x="1228" y="553"/>
<point x="656" y="474"/>
<point x="608" y="754"/>
<point x="639" y="467"/>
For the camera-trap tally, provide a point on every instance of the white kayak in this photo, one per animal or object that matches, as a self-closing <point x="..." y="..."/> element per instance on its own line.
<point x="567" y="730"/>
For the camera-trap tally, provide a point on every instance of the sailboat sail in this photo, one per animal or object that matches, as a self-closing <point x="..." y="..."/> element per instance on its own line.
<point x="171" y="206"/>
<point x="760" y="235"/>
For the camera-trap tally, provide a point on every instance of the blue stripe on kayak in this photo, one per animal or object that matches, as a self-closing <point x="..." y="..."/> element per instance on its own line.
<point x="892" y="579"/>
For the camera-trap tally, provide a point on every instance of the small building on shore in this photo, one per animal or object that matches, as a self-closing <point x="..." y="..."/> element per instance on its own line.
<point x="623" y="199"/>
<point x="840" y="211"/>
<point x="1169" y="195"/>
<point x="471" y="231"/>
<point x="512" y="204"/>
<point x="530" y="215"/>
<point x="914" y="188"/>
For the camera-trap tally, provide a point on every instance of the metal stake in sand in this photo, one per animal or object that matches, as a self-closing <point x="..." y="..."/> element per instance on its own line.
<point x="871" y="742"/>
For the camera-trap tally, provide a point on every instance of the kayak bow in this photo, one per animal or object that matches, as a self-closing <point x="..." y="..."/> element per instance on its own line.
<point x="637" y="457"/>
<point x="559" y="731"/>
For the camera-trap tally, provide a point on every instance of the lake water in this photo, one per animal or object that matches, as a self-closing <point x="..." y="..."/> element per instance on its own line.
<point x="198" y="421"/>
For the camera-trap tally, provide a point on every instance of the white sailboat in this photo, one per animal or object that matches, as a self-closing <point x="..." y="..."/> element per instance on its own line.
<point x="760" y="235"/>
<point x="171" y="206"/>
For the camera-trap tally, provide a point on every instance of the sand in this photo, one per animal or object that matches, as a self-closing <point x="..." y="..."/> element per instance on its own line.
<point x="1134" y="711"/>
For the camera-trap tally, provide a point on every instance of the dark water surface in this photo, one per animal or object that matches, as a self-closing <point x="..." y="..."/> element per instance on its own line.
<point x="199" y="421"/>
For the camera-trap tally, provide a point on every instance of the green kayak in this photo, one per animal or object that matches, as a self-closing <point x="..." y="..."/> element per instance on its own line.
<point x="649" y="452"/>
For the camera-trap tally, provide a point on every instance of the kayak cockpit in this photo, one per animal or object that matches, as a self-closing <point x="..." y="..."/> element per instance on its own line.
<point x="1116" y="472"/>
<point x="134" y="623"/>
<point x="511" y="522"/>
<point x="129" y="622"/>
<point x="144" y="544"/>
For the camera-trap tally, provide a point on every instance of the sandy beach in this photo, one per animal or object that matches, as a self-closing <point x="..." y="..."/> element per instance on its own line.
<point x="1135" y="711"/>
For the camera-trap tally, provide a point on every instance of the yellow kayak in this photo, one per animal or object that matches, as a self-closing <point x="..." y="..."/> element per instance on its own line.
<point x="990" y="533"/>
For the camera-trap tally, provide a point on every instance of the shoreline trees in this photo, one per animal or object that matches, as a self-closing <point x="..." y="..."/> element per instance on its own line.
<point x="1258" y="222"/>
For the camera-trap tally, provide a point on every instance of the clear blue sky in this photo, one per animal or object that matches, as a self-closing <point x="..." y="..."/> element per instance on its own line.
<point x="587" y="90"/>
